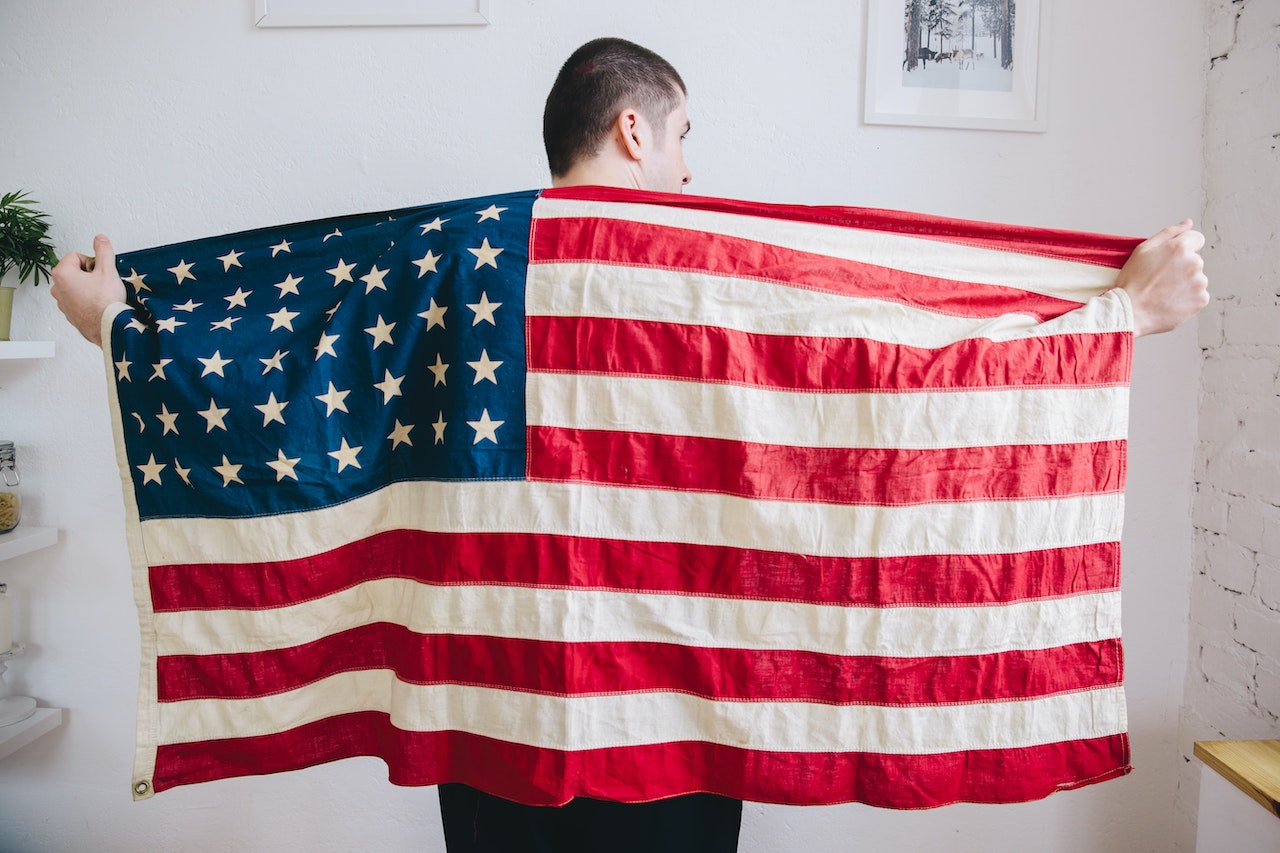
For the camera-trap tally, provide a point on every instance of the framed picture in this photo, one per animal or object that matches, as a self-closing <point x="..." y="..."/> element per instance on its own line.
<point x="370" y="13"/>
<point x="958" y="63"/>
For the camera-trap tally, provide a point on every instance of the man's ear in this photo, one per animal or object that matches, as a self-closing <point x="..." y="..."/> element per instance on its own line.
<point x="630" y="129"/>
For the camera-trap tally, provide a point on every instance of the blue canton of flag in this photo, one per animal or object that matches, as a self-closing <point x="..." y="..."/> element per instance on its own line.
<point x="314" y="392"/>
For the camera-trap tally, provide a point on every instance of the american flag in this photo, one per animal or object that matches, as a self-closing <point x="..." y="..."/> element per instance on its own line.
<point x="592" y="492"/>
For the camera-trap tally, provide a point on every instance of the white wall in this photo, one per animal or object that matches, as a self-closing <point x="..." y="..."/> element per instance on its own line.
<point x="159" y="121"/>
<point x="1233" y="674"/>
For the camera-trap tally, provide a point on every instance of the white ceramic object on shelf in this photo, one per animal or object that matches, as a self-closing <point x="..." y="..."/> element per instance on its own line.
<point x="13" y="709"/>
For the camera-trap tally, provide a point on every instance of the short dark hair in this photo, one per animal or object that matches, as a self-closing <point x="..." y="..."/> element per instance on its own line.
<point x="599" y="80"/>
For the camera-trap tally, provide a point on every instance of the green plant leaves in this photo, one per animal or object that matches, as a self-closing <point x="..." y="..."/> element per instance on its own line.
<point x="24" y="243"/>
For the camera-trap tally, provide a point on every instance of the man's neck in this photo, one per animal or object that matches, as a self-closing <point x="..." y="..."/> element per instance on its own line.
<point x="599" y="171"/>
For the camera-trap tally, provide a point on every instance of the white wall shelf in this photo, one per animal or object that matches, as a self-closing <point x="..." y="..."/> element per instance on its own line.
<point x="26" y="349"/>
<point x="15" y="736"/>
<point x="24" y="540"/>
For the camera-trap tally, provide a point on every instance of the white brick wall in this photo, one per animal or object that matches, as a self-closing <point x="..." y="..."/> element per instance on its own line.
<point x="1233" y="673"/>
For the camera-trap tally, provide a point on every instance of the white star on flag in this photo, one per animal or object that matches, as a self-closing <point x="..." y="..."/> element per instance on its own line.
<point x="169" y="419"/>
<point x="122" y="369"/>
<point x="485" y="368"/>
<point x="485" y="428"/>
<point x="151" y="471"/>
<point x="230" y="473"/>
<point x="284" y="466"/>
<point x="400" y="435"/>
<point x="170" y="324"/>
<point x="271" y="410"/>
<point x="438" y="369"/>
<point x="183" y="271"/>
<point x="136" y="280"/>
<point x="188" y="306"/>
<point x="213" y="415"/>
<point x="486" y="255"/>
<point x="381" y="332"/>
<point x="434" y="225"/>
<point x="342" y="272"/>
<point x="273" y="363"/>
<point x="224" y="323"/>
<point x="214" y="364"/>
<point x="390" y="387"/>
<point x="484" y="310"/>
<point x="282" y="246"/>
<point x="231" y="259"/>
<point x="374" y="279"/>
<point x="182" y="472"/>
<point x="346" y="455"/>
<point x="428" y="263"/>
<point x="158" y="369"/>
<point x="237" y="299"/>
<point x="434" y="315"/>
<point x="282" y="319"/>
<point x="325" y="347"/>
<point x="334" y="400"/>
<point x="490" y="212"/>
<point x="439" y="426"/>
<point x="289" y="285"/>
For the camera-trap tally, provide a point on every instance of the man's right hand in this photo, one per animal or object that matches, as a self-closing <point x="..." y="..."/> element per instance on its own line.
<point x="84" y="287"/>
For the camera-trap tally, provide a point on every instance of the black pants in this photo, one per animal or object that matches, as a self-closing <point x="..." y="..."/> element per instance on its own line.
<point x="476" y="822"/>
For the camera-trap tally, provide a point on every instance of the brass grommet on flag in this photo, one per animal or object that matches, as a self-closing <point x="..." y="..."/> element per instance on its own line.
<point x="142" y="788"/>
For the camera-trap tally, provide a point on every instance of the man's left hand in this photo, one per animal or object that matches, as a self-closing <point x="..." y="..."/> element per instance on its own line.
<point x="1164" y="279"/>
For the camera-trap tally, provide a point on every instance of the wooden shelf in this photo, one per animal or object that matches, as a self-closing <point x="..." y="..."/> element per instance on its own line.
<point x="1253" y="766"/>
<point x="15" y="736"/>
<point x="26" y="349"/>
<point x="24" y="540"/>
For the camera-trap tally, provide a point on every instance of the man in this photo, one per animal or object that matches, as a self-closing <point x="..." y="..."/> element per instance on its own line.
<point x="616" y="116"/>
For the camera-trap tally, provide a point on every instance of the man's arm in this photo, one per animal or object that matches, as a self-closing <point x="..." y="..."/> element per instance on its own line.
<point x="85" y="286"/>
<point x="1164" y="279"/>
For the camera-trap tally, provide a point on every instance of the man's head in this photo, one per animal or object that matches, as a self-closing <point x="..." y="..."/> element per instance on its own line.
<point x="616" y="115"/>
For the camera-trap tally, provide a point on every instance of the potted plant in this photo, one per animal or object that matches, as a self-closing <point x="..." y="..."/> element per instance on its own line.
<point x="24" y="246"/>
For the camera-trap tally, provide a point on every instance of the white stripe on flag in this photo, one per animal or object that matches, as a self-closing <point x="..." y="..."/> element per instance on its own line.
<point x="632" y="719"/>
<point x="909" y="420"/>
<point x="665" y="296"/>
<point x="646" y="515"/>
<point x="585" y="616"/>
<point x="1034" y="273"/>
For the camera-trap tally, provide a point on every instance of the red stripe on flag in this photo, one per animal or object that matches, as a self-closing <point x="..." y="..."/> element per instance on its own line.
<point x="573" y="669"/>
<point x="806" y="363"/>
<point x="636" y="244"/>
<point x="534" y="776"/>
<point x="580" y="562"/>
<point x="883" y="477"/>
<point x="1081" y="246"/>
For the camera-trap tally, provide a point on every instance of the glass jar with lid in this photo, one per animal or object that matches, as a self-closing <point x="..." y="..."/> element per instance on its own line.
<point x="9" y="505"/>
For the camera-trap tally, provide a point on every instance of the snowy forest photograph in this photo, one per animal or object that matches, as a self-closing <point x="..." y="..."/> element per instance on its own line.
<point x="958" y="63"/>
<point x="959" y="44"/>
